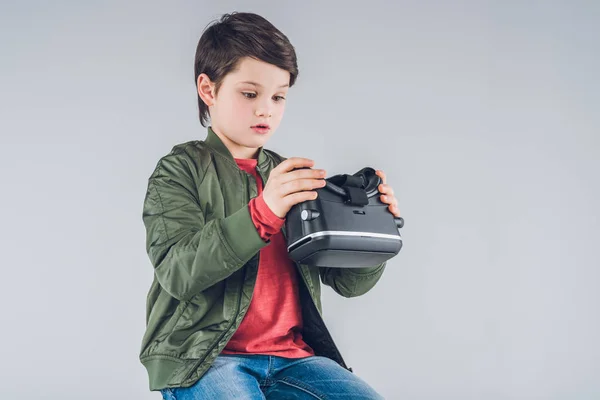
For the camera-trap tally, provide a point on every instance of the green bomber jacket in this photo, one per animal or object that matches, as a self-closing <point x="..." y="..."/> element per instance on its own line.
<point x="204" y="249"/>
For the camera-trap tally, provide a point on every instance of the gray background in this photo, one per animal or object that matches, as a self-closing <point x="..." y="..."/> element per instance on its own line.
<point x="483" y="114"/>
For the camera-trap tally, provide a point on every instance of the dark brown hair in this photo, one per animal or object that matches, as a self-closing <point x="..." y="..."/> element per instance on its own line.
<point x="236" y="35"/>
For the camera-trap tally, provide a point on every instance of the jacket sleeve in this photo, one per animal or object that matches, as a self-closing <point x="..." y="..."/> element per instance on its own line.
<point x="189" y="254"/>
<point x="351" y="282"/>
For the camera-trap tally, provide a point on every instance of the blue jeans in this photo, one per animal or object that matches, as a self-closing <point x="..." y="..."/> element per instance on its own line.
<point x="269" y="377"/>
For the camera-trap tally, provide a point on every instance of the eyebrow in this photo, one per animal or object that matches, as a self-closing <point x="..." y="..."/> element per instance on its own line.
<point x="259" y="85"/>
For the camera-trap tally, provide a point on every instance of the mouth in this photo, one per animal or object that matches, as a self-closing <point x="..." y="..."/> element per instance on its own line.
<point x="261" y="128"/>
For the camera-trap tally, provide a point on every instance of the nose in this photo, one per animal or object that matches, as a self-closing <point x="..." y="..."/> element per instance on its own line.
<point x="263" y="110"/>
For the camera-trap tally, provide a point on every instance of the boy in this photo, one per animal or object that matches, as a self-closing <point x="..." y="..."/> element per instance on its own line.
<point x="229" y="315"/>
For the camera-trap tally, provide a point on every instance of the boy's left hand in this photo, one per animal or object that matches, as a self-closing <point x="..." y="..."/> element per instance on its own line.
<point x="388" y="195"/>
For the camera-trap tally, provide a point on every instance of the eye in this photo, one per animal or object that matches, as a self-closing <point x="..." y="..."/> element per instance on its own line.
<point x="249" y="95"/>
<point x="278" y="98"/>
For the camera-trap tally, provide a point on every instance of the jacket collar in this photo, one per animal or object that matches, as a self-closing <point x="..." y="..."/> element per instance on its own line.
<point x="214" y="141"/>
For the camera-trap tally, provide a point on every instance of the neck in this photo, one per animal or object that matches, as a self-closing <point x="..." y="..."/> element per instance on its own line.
<point x="236" y="150"/>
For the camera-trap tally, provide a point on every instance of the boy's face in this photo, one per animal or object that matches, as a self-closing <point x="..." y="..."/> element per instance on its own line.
<point x="251" y="96"/>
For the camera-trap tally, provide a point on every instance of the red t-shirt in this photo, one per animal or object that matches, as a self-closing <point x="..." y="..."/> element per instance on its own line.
<point x="273" y="323"/>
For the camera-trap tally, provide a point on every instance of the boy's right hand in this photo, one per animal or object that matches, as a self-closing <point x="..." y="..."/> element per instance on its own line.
<point x="288" y="185"/>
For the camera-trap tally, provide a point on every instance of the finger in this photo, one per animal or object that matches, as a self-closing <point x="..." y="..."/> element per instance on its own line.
<point x="392" y="201"/>
<point x="394" y="210"/>
<point x="381" y="174"/>
<point x="294" y="163"/>
<point x="302" y="174"/>
<point x="299" y="185"/>
<point x="387" y="189"/>
<point x="299" y="197"/>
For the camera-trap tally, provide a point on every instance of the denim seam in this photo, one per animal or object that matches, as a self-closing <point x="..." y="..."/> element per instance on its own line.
<point x="298" y="385"/>
<point x="267" y="380"/>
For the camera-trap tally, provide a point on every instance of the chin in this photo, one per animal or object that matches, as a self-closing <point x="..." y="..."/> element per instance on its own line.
<point x="256" y="144"/>
<point x="259" y="141"/>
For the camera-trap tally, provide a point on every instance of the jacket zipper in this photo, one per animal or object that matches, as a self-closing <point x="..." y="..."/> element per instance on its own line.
<point x="210" y="349"/>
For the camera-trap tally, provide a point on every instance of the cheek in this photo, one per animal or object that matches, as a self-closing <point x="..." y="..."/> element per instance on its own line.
<point x="234" y="105"/>
<point x="241" y="106"/>
<point x="280" y="108"/>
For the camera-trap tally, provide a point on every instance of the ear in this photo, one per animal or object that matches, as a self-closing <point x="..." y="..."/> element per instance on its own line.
<point x="206" y="89"/>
